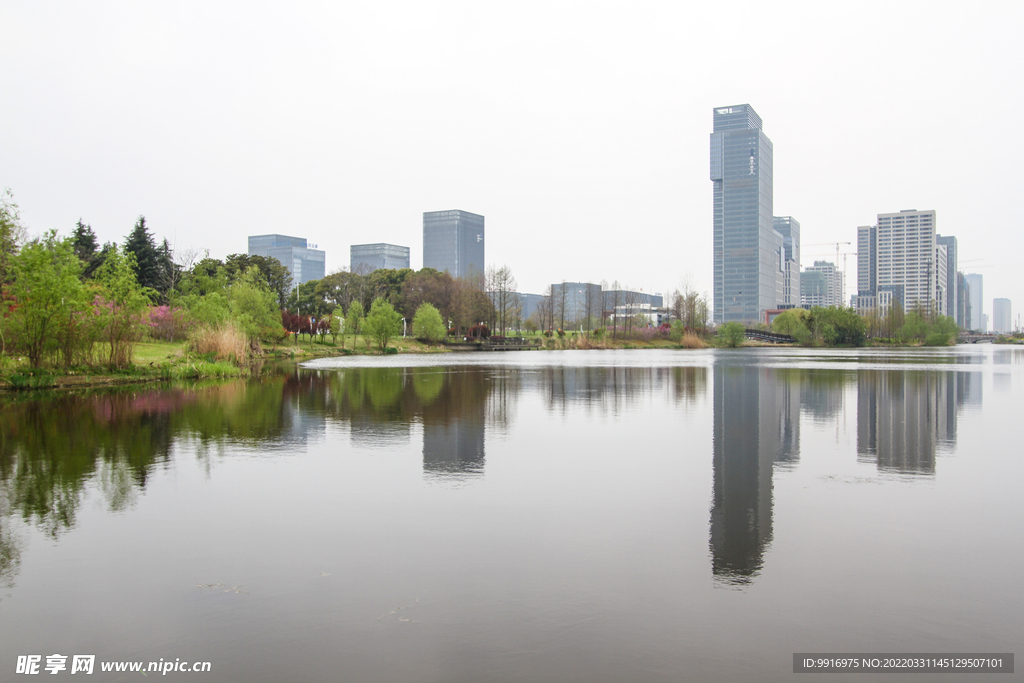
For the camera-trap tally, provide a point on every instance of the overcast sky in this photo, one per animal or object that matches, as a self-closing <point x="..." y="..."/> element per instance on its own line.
<point x="579" y="130"/>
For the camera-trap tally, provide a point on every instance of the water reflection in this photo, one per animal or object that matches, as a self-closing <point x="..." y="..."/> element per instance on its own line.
<point x="903" y="418"/>
<point x="609" y="390"/>
<point x="756" y="424"/>
<point x="53" y="448"/>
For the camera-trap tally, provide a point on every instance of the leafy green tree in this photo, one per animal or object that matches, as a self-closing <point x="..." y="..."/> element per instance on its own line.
<point x="354" y="321"/>
<point x="733" y="333"/>
<point x="274" y="274"/>
<point x="791" y="322"/>
<point x="254" y="307"/>
<point x="383" y="323"/>
<point x="338" y="325"/>
<point x="308" y="299"/>
<point x="942" y="332"/>
<point x="386" y="283"/>
<point x="47" y="294"/>
<point x="427" y="324"/>
<point x="12" y="234"/>
<point x="122" y="302"/>
<point x="836" y="326"/>
<point x="915" y="328"/>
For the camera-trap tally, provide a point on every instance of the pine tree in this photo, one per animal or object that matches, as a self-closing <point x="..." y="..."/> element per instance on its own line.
<point x="83" y="241"/>
<point x="147" y="258"/>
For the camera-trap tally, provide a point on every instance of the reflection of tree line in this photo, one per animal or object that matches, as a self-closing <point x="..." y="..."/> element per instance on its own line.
<point x="902" y="417"/>
<point x="50" y="448"/>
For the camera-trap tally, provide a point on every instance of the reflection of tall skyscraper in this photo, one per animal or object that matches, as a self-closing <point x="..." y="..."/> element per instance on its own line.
<point x="903" y="417"/>
<point x="821" y="394"/>
<point x="454" y="424"/>
<point x="755" y="421"/>
<point x="455" y="447"/>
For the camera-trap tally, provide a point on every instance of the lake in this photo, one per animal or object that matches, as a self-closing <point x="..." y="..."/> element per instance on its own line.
<point x="523" y="516"/>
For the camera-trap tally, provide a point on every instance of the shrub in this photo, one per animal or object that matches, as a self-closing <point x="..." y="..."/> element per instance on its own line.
<point x="733" y="333"/>
<point x="480" y="332"/>
<point x="167" y="323"/>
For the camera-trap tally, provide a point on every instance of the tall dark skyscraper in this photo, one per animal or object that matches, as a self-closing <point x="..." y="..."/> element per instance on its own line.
<point x="750" y="265"/>
<point x="453" y="241"/>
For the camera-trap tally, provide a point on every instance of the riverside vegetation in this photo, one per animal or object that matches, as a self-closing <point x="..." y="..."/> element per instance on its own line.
<point x="71" y="308"/>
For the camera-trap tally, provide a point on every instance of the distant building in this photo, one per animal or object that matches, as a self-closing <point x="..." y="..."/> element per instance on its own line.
<point x="902" y="254"/>
<point x="749" y="262"/>
<point x="653" y="316"/>
<point x="952" y="289"/>
<point x="453" y="241"/>
<point x="618" y="297"/>
<point x="975" y="281"/>
<point x="302" y="261"/>
<point x="825" y="290"/>
<point x="867" y="260"/>
<point x="531" y="302"/>
<point x="573" y="302"/>
<point x="789" y="228"/>
<point x="814" y="288"/>
<point x="906" y="256"/>
<point x="371" y="257"/>
<point x="1002" y="320"/>
<point x="963" y="305"/>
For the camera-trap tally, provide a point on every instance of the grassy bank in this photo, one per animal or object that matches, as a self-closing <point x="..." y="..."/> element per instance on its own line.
<point x="154" y="361"/>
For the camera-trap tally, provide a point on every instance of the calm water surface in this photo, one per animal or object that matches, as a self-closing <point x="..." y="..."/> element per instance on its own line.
<point x="566" y="516"/>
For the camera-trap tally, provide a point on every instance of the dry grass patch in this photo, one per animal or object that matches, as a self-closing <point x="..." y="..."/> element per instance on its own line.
<point x="227" y="342"/>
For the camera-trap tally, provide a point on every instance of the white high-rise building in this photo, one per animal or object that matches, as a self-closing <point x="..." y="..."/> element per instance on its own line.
<point x="907" y="259"/>
<point x="1002" y="319"/>
<point x="826" y="293"/>
<point x="975" y="281"/>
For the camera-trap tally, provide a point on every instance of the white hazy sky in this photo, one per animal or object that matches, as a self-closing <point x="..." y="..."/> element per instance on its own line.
<point x="580" y="130"/>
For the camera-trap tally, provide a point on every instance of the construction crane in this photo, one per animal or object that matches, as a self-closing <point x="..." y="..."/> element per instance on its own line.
<point x="829" y="244"/>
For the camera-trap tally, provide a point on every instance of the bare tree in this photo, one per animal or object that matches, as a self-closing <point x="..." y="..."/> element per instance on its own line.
<point x="592" y="304"/>
<point x="501" y="286"/>
<point x="561" y="300"/>
<point x="613" y="300"/>
<point x="546" y="310"/>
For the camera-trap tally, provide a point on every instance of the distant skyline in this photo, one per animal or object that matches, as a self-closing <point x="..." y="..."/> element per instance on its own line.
<point x="578" y="129"/>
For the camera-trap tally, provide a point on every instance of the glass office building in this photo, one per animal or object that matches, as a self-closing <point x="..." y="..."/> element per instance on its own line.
<point x="789" y="228"/>
<point x="749" y="256"/>
<point x="366" y="258"/>
<point x="453" y="241"/>
<point x="304" y="263"/>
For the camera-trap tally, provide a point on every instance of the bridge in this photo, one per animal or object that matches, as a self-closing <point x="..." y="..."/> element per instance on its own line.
<point x="769" y="337"/>
<point x="967" y="338"/>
